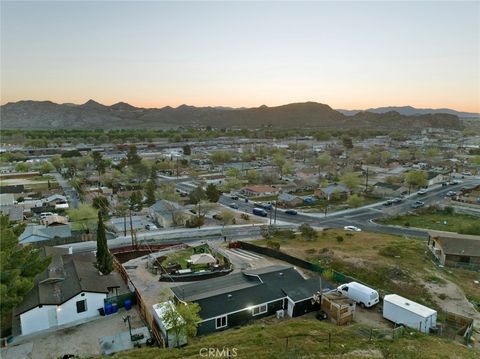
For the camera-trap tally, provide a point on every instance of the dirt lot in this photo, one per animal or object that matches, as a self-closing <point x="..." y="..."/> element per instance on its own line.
<point x="81" y="340"/>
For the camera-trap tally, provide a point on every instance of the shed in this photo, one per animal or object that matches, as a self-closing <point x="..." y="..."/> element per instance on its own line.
<point x="340" y="308"/>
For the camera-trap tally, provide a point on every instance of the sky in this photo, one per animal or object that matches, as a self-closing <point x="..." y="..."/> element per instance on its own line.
<point x="351" y="55"/>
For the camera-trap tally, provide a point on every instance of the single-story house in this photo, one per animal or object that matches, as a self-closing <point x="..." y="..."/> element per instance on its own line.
<point x="40" y="232"/>
<point x="259" y="191"/>
<point x="455" y="250"/>
<point x="387" y="189"/>
<point x="119" y="224"/>
<point x="14" y="213"/>
<point x="55" y="199"/>
<point x="328" y="191"/>
<point x="435" y="177"/>
<point x="289" y="200"/>
<point x="168" y="213"/>
<point x="69" y="291"/>
<point x="237" y="298"/>
<point x="6" y="199"/>
<point x="55" y="220"/>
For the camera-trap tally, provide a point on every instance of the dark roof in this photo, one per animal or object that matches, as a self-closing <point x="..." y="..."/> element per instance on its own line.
<point x="387" y="185"/>
<point x="67" y="276"/>
<point x="242" y="290"/>
<point x="457" y="244"/>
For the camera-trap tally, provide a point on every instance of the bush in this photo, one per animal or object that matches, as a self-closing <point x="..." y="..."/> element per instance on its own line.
<point x="470" y="229"/>
<point x="273" y="245"/>
<point x="339" y="239"/>
<point x="389" y="251"/>
<point x="195" y="222"/>
<point x="407" y="224"/>
<point x="285" y="233"/>
<point x="245" y="216"/>
<point x="328" y="274"/>
<point x="310" y="250"/>
<point x="449" y="210"/>
<point x="307" y="231"/>
<point x="442" y="296"/>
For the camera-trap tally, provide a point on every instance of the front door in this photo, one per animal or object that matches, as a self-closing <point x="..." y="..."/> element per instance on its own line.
<point x="52" y="317"/>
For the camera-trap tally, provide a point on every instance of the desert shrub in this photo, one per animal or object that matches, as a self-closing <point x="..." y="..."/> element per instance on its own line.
<point x="407" y="224"/>
<point x="339" y="239"/>
<point x="449" y="210"/>
<point x="307" y="231"/>
<point x="285" y="233"/>
<point x="245" y="216"/>
<point x="389" y="251"/>
<point x="328" y="274"/>
<point x="310" y="250"/>
<point x="273" y="245"/>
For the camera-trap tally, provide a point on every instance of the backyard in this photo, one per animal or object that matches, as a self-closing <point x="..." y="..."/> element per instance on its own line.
<point x="181" y="258"/>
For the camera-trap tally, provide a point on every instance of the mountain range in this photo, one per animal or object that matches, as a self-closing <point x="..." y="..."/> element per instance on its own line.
<point x="93" y="115"/>
<point x="412" y="111"/>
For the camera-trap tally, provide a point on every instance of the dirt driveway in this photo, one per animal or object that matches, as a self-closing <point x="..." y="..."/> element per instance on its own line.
<point x="81" y="340"/>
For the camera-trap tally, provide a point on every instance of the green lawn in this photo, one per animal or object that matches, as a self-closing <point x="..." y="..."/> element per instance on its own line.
<point x="437" y="221"/>
<point x="308" y="338"/>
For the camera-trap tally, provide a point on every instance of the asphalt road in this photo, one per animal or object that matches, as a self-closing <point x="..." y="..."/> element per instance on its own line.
<point x="362" y="217"/>
<point x="69" y="191"/>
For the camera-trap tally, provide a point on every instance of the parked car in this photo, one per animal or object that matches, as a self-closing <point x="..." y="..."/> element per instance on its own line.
<point x="233" y="205"/>
<point x="444" y="184"/>
<point x="151" y="227"/>
<point x="417" y="204"/>
<point x="451" y="193"/>
<point x="422" y="192"/>
<point x="388" y="203"/>
<point x="365" y="296"/>
<point x="352" y="228"/>
<point x="259" y="212"/>
<point x="397" y="200"/>
<point x="291" y="212"/>
<point x="235" y="198"/>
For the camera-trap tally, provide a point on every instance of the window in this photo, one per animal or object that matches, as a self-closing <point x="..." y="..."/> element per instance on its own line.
<point x="260" y="309"/>
<point x="221" y="322"/>
<point x="82" y="306"/>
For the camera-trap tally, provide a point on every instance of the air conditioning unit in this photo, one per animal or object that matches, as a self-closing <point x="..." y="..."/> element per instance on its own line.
<point x="280" y="314"/>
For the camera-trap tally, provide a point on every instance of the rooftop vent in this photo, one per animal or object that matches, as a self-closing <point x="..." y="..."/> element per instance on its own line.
<point x="229" y="296"/>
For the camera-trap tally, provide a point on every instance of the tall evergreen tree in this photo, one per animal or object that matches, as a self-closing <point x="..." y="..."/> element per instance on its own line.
<point x="212" y="193"/>
<point x="104" y="257"/>
<point x="150" y="192"/>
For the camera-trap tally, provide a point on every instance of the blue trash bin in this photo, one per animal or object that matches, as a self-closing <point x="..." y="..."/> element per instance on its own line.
<point x="128" y="304"/>
<point x="108" y="309"/>
<point x="114" y="307"/>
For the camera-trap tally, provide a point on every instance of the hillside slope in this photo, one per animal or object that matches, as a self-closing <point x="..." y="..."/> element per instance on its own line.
<point x="47" y="115"/>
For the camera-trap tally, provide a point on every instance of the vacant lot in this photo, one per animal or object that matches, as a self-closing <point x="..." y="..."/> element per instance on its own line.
<point x="437" y="221"/>
<point x="308" y="338"/>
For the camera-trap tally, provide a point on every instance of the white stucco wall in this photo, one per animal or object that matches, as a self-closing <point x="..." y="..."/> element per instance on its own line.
<point x="36" y="319"/>
<point x="67" y="312"/>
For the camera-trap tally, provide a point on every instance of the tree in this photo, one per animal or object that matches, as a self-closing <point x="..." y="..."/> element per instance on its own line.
<point x="98" y="162"/>
<point x="135" y="201"/>
<point x="197" y="195"/>
<point x="212" y="193"/>
<point x="132" y="156"/>
<point x="18" y="267"/>
<point x="405" y="155"/>
<point x="347" y="142"/>
<point x="104" y="257"/>
<point x="279" y="161"/>
<point x="22" y="167"/>
<point x="416" y="179"/>
<point x="227" y="216"/>
<point x="150" y="189"/>
<point x="187" y="150"/>
<point x="307" y="231"/>
<point x="350" y="180"/>
<point x="182" y="319"/>
<point x="101" y="203"/>
<point x="354" y="201"/>
<point x="84" y="216"/>
<point x="46" y="167"/>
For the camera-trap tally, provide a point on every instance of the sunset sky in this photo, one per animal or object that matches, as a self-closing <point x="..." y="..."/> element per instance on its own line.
<point x="352" y="55"/>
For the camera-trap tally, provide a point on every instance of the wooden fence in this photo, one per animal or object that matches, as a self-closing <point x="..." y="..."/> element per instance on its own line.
<point x="144" y="310"/>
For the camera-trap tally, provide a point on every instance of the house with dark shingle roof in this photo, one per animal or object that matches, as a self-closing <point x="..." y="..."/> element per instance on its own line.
<point x="40" y="232"/>
<point x="455" y="250"/>
<point x="238" y="298"/>
<point x="70" y="290"/>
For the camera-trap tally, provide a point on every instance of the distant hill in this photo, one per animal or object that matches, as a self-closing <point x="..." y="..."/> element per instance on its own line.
<point x="49" y="115"/>
<point x="412" y="111"/>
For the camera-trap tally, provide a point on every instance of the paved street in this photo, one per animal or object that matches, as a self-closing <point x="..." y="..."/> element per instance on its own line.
<point x="69" y="191"/>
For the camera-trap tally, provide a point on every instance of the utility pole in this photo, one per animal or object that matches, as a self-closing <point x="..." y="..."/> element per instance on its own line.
<point x="132" y="232"/>
<point x="275" y="213"/>
<point x="366" y="181"/>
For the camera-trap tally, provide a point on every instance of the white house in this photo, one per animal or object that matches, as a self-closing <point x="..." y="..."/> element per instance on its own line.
<point x="70" y="290"/>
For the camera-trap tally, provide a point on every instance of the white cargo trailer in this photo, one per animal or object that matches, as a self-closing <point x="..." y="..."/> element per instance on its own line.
<point x="363" y="295"/>
<point x="408" y="313"/>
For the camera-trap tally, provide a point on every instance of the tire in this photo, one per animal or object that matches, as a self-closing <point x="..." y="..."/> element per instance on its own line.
<point x="362" y="305"/>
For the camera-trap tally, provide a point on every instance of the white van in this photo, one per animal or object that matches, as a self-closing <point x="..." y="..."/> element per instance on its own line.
<point x="365" y="296"/>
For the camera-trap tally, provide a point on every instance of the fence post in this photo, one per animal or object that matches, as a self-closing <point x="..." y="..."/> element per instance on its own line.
<point x="329" y="340"/>
<point x="286" y="343"/>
